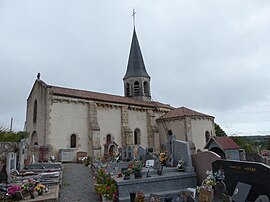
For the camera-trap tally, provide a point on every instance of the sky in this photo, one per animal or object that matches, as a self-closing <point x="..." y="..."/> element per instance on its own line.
<point x="210" y="56"/>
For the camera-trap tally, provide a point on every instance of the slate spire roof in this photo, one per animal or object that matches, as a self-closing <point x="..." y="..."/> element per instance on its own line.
<point x="135" y="66"/>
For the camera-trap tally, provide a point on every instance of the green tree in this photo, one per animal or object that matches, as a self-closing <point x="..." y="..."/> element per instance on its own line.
<point x="219" y="131"/>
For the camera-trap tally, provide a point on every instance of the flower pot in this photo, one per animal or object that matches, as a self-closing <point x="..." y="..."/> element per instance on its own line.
<point x="106" y="200"/>
<point x="126" y="177"/>
<point x="138" y="175"/>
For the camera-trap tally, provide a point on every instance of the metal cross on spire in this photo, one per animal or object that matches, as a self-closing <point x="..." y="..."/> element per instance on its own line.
<point x="133" y="15"/>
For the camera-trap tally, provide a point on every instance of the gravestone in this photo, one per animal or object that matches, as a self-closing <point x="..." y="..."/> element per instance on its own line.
<point x="262" y="198"/>
<point x="252" y="173"/>
<point x="202" y="166"/>
<point x="142" y="153"/>
<point x="11" y="162"/>
<point x="128" y="153"/>
<point x="181" y="151"/>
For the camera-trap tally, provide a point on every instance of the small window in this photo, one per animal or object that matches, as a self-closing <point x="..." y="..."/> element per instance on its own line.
<point x="35" y="112"/>
<point x="73" y="141"/>
<point x="136" y="88"/>
<point x="207" y="136"/>
<point x="137" y="136"/>
<point x="108" y="138"/>
<point x="170" y="133"/>
<point x="127" y="90"/>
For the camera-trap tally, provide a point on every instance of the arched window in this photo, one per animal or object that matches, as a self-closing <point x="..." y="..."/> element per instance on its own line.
<point x="207" y="136"/>
<point x="136" y="88"/>
<point x="73" y="141"/>
<point x="35" y="112"/>
<point x="170" y="133"/>
<point x="108" y="138"/>
<point x="34" y="139"/>
<point x="145" y="88"/>
<point x="137" y="136"/>
<point x="127" y="90"/>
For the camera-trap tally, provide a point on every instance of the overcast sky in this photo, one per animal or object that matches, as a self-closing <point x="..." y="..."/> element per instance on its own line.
<point x="210" y="56"/>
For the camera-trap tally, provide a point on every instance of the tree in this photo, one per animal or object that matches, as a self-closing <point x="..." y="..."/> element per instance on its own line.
<point x="219" y="131"/>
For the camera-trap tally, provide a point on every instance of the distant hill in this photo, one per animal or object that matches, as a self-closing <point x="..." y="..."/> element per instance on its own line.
<point x="252" y="143"/>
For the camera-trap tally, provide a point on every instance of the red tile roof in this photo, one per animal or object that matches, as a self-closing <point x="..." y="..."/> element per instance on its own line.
<point x="226" y="143"/>
<point x="89" y="95"/>
<point x="183" y="112"/>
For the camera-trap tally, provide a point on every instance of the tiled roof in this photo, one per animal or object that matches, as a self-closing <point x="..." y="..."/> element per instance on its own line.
<point x="182" y="112"/>
<point x="226" y="142"/>
<point x="89" y="95"/>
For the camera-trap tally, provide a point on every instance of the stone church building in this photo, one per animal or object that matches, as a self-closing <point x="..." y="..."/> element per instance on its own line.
<point x="100" y="124"/>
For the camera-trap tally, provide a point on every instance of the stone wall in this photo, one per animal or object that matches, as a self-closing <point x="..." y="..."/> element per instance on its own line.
<point x="5" y="148"/>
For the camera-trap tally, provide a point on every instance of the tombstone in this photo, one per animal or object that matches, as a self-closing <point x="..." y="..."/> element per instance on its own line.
<point x="202" y="166"/>
<point x="128" y="153"/>
<point x="11" y="162"/>
<point x="251" y="173"/>
<point x="262" y="198"/>
<point x="149" y="164"/>
<point x="181" y="151"/>
<point x="142" y="153"/>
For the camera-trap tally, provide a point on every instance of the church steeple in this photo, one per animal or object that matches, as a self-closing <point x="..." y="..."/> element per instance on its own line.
<point x="136" y="79"/>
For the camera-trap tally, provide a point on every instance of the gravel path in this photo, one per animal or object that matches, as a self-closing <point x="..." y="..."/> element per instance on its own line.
<point x="77" y="184"/>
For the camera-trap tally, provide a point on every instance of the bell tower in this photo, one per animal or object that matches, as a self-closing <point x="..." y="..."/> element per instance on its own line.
<point x="136" y="79"/>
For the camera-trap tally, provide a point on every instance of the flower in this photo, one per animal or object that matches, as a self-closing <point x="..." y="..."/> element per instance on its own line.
<point x="127" y="172"/>
<point x="136" y="167"/>
<point x="13" y="189"/>
<point x="139" y="197"/>
<point x="106" y="185"/>
<point x="212" y="179"/>
<point x="180" y="165"/>
<point x="162" y="158"/>
<point x="40" y="188"/>
<point x="29" y="185"/>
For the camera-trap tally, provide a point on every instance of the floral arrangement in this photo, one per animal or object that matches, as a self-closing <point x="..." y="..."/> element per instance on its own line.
<point x="139" y="197"/>
<point x="162" y="158"/>
<point x="136" y="167"/>
<point x="40" y="188"/>
<point x="29" y="185"/>
<point x="106" y="185"/>
<point x="13" y="189"/>
<point x="212" y="178"/>
<point x="180" y="165"/>
<point x="127" y="172"/>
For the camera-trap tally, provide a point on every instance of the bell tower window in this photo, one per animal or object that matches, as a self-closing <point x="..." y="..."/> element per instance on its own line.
<point x="136" y="88"/>
<point x="127" y="90"/>
<point x="145" y="88"/>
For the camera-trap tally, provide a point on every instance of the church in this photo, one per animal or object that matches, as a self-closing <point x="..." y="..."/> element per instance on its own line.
<point x="100" y="124"/>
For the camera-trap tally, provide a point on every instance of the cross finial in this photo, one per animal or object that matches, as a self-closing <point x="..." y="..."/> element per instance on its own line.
<point x="133" y="15"/>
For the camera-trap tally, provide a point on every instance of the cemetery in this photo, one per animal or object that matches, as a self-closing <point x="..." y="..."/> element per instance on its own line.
<point x="139" y="174"/>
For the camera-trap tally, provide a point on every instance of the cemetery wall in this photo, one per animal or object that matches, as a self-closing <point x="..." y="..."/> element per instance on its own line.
<point x="69" y="117"/>
<point x="39" y="94"/>
<point x="198" y="128"/>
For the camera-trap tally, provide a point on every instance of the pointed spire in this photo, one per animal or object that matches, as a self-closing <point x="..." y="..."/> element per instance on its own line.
<point x="135" y="66"/>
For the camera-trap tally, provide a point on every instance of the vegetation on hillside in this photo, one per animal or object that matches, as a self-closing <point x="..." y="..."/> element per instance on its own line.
<point x="219" y="131"/>
<point x="7" y="136"/>
<point x="252" y="144"/>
